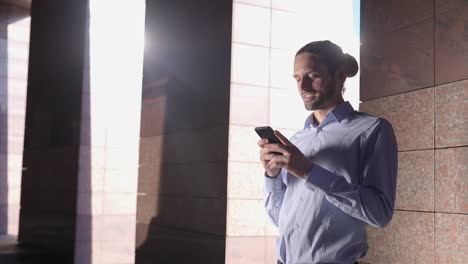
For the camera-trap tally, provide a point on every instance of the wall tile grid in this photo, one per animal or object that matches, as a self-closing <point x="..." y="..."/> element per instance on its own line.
<point x="245" y="249"/>
<point x="432" y="179"/>
<point x="107" y="183"/>
<point x="409" y="238"/>
<point x="451" y="238"/>
<point x="109" y="139"/>
<point x="397" y="53"/>
<point x="259" y="88"/>
<point x="181" y="185"/>
<point x="430" y="119"/>
<point x="451" y="183"/>
<point x="451" y="44"/>
<point x="451" y="104"/>
<point x="411" y="115"/>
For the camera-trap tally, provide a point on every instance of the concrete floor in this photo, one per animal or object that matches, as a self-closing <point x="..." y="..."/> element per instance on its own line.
<point x="12" y="253"/>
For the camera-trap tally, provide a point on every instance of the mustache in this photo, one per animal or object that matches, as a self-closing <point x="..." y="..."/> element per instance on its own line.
<point x="308" y="91"/>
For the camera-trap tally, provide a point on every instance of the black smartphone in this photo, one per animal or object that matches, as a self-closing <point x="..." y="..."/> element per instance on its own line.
<point x="268" y="133"/>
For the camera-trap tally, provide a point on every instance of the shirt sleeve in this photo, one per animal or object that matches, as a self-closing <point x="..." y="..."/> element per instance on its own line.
<point x="274" y="194"/>
<point x="373" y="199"/>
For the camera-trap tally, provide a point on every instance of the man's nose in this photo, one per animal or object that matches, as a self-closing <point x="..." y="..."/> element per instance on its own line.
<point x="305" y="84"/>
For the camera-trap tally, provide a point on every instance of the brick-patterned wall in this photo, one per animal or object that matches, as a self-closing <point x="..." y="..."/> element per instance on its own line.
<point x="414" y="72"/>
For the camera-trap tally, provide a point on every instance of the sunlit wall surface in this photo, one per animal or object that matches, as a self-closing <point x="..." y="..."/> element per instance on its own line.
<point x="110" y="128"/>
<point x="266" y="35"/>
<point x="14" y="51"/>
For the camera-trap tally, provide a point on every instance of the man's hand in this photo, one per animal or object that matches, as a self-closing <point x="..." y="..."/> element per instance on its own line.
<point x="285" y="155"/>
<point x="266" y="156"/>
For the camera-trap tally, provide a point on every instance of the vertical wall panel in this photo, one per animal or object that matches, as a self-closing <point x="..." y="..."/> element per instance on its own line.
<point x="181" y="209"/>
<point x="406" y="48"/>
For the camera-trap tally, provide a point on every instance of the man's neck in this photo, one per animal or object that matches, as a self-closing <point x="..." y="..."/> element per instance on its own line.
<point x="320" y="114"/>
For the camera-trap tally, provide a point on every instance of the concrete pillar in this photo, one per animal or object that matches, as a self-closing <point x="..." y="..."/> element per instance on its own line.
<point x="184" y="132"/>
<point x="52" y="133"/>
<point x="82" y="126"/>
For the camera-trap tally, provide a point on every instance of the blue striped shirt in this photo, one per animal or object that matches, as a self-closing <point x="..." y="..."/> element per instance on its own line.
<point x="323" y="219"/>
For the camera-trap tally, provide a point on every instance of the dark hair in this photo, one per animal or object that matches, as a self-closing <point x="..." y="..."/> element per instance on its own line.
<point x="332" y="56"/>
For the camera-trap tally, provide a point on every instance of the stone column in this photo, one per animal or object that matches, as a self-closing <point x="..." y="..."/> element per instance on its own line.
<point x="52" y="133"/>
<point x="184" y="132"/>
<point x="82" y="126"/>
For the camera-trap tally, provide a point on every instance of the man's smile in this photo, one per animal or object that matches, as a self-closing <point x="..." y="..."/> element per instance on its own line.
<point x="308" y="96"/>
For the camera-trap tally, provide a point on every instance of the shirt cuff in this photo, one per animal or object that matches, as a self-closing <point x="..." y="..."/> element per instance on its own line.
<point x="319" y="178"/>
<point x="273" y="184"/>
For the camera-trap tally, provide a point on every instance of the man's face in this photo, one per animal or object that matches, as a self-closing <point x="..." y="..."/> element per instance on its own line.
<point x="314" y="82"/>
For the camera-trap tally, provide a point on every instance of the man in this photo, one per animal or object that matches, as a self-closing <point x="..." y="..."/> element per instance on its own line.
<point x="335" y="176"/>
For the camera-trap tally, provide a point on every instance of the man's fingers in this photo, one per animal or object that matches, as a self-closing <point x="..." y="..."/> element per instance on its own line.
<point x="262" y="142"/>
<point x="283" y="139"/>
<point x="268" y="157"/>
<point x="264" y="150"/>
<point x="278" y="161"/>
<point x="275" y="148"/>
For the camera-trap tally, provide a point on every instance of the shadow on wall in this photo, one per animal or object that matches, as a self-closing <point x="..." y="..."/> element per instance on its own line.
<point x="181" y="209"/>
<point x="48" y="215"/>
<point x="83" y="237"/>
<point x="175" y="213"/>
<point x="3" y="128"/>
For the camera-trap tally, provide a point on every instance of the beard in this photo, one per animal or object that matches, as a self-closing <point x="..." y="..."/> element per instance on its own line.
<point x="322" y="98"/>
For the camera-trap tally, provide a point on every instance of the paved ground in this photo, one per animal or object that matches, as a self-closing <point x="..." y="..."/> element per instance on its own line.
<point x="12" y="253"/>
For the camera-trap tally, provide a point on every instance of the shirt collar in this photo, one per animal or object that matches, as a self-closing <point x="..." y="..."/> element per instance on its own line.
<point x="338" y="113"/>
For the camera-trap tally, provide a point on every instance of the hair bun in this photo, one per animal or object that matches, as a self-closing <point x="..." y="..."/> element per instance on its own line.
<point x="350" y="65"/>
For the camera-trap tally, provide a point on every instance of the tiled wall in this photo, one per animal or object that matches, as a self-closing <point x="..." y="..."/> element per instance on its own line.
<point x="181" y="208"/>
<point x="109" y="136"/>
<point x="414" y="72"/>
<point x="265" y="37"/>
<point x="14" y="50"/>
<point x="260" y="79"/>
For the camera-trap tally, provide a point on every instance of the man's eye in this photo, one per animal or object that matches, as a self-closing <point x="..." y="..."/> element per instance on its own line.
<point x="314" y="76"/>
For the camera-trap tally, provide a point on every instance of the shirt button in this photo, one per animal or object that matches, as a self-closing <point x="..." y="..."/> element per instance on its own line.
<point x="297" y="226"/>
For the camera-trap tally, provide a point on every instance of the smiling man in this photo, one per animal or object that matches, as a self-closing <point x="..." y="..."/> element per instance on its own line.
<point x="336" y="175"/>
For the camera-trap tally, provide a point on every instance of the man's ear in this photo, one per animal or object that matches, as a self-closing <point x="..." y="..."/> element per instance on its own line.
<point x="340" y="77"/>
